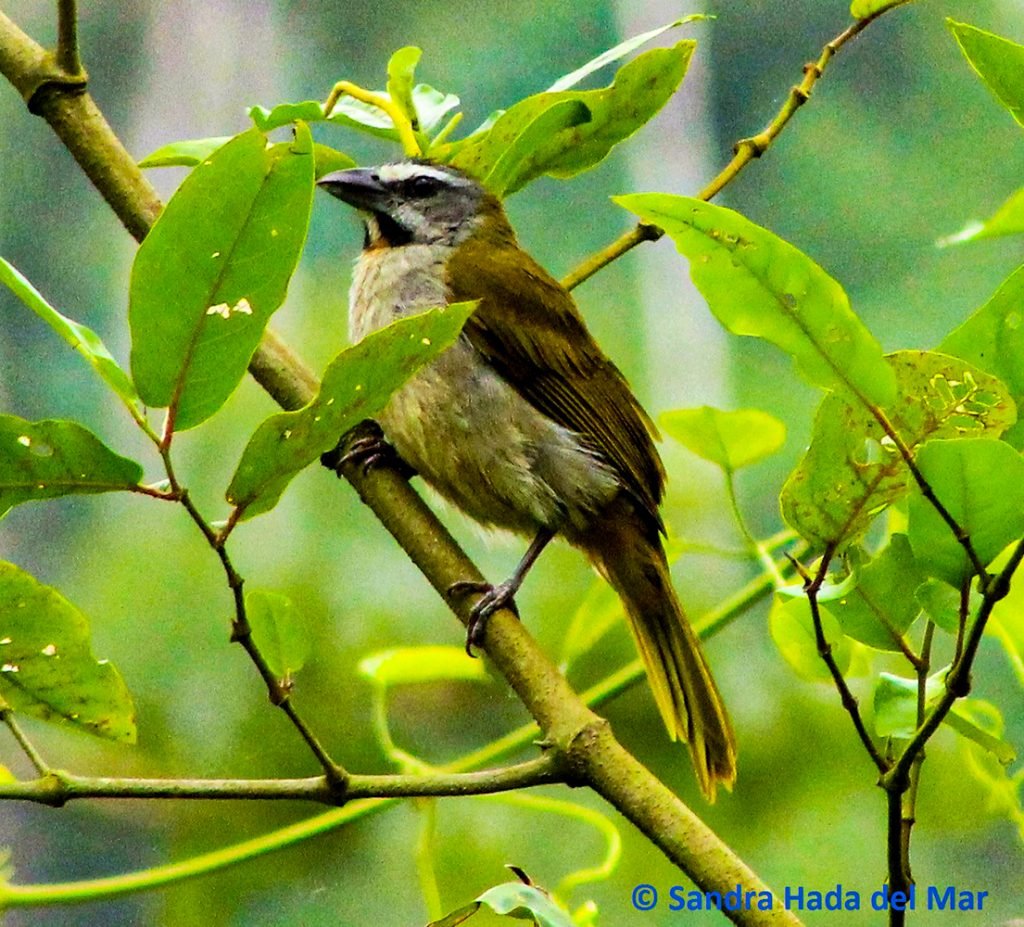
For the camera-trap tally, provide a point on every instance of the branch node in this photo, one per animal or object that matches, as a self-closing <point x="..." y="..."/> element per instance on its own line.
<point x="51" y="80"/>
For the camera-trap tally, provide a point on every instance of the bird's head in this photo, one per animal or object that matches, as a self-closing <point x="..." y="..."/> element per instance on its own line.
<point x="415" y="202"/>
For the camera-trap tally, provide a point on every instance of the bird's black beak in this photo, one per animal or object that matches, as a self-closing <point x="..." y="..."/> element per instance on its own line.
<point x="358" y="186"/>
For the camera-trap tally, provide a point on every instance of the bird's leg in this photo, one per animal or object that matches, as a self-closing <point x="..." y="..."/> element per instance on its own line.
<point x="500" y="596"/>
<point x="364" y="444"/>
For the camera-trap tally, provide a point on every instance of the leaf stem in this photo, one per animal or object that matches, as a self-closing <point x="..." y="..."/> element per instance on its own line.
<point x="34" y="756"/>
<point x="745" y="151"/>
<point x="406" y="133"/>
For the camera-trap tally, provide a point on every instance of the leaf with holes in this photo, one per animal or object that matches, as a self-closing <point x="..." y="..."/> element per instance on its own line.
<point x="213" y="269"/>
<point x="729" y="439"/>
<point x="757" y="284"/>
<point x="852" y="470"/>
<point x="356" y="385"/>
<point x="45" y="460"/>
<point x="992" y="339"/>
<point x="84" y="340"/>
<point x="980" y="482"/>
<point x="640" y="89"/>
<point x="997" y="61"/>
<point x="47" y="669"/>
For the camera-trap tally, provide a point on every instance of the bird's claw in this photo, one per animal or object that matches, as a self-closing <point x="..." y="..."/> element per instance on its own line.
<point x="494" y="599"/>
<point x="369" y="450"/>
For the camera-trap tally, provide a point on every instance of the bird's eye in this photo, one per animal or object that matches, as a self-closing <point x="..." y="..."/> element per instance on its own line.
<point x="423" y="186"/>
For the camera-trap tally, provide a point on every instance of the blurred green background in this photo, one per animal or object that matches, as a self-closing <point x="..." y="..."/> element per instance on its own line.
<point x="900" y="145"/>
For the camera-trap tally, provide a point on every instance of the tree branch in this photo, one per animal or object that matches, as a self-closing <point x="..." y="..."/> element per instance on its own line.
<point x="57" y="787"/>
<point x="569" y="726"/>
<point x="746" y="150"/>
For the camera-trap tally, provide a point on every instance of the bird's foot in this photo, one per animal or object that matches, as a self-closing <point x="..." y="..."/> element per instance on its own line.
<point x="366" y="447"/>
<point x="494" y="599"/>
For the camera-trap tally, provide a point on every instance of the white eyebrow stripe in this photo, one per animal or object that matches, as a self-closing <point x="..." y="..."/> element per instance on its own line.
<point x="390" y="173"/>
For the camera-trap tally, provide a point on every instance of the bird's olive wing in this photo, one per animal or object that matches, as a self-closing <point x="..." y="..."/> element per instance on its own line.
<point x="529" y="330"/>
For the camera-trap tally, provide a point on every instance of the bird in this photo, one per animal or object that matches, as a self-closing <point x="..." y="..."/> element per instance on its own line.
<point x="523" y="423"/>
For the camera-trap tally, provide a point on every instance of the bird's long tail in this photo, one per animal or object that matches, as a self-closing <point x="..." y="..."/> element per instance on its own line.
<point x="633" y="561"/>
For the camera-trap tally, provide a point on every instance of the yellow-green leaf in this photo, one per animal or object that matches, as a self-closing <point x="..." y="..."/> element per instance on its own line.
<point x="356" y="385"/>
<point x="47" y="669"/>
<point x="757" y="284"/>
<point x="731" y="440"/>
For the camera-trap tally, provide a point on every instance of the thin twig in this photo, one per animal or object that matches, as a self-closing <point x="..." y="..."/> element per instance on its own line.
<point x="57" y="787"/>
<point x="825" y="652"/>
<point x="34" y="756"/>
<point x="959" y="532"/>
<point x="746" y="150"/>
<point x="241" y="631"/>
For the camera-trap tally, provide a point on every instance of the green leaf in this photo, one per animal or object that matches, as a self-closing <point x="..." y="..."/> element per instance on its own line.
<point x="185" y="153"/>
<point x="878" y="610"/>
<point x="84" y="340"/>
<point x="363" y="117"/>
<point x="44" y="460"/>
<point x="285" y="113"/>
<point x="895" y="709"/>
<point x="516" y="159"/>
<point x="729" y="439"/>
<point x="47" y="669"/>
<point x="997" y="61"/>
<point x="432" y="106"/>
<point x="757" y="284"/>
<point x="525" y="901"/>
<point x="852" y="470"/>
<point x="280" y="631"/>
<point x="895" y="702"/>
<point x="401" y="70"/>
<point x="640" y="89"/>
<point x="212" y="270"/>
<point x="993" y="340"/>
<point x="792" y="628"/>
<point x="981" y="722"/>
<point x="862" y="9"/>
<point x="329" y="159"/>
<point x="981" y="483"/>
<point x="619" y="51"/>
<point x="600" y="611"/>
<point x="460" y="916"/>
<point x="410" y="665"/>
<point x="940" y="603"/>
<point x="1007" y="220"/>
<point x="356" y="385"/>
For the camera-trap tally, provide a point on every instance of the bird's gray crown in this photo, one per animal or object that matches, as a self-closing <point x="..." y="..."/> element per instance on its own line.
<point x="410" y="202"/>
